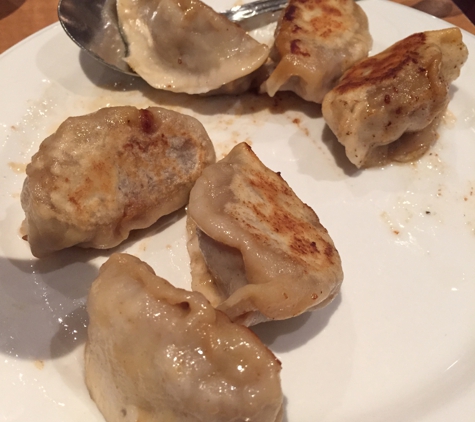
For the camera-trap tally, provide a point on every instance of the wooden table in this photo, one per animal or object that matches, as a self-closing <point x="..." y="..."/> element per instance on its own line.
<point x="20" y="18"/>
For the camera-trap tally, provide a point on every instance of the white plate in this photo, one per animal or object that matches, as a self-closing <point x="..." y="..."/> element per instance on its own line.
<point x="397" y="345"/>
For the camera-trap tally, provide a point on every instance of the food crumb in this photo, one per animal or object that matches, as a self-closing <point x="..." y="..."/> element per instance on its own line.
<point x="39" y="364"/>
<point x="18" y="168"/>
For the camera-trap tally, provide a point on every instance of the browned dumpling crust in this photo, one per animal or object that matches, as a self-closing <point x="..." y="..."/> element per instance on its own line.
<point x="257" y="251"/>
<point x="101" y="175"/>
<point x="158" y="353"/>
<point x="315" y="42"/>
<point x="387" y="107"/>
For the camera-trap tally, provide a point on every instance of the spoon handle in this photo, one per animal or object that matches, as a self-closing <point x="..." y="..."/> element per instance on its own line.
<point x="248" y="10"/>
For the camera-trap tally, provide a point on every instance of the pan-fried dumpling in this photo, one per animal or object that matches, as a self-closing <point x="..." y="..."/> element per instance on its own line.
<point x="158" y="353"/>
<point x="316" y="41"/>
<point x="185" y="46"/>
<point x="257" y="251"/>
<point x="387" y="107"/>
<point x="102" y="175"/>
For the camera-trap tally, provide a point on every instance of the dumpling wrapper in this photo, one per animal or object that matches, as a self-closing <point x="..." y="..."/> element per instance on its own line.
<point x="101" y="175"/>
<point x="257" y="251"/>
<point x="315" y="42"/>
<point x="387" y="107"/>
<point x="158" y="353"/>
<point x="185" y="46"/>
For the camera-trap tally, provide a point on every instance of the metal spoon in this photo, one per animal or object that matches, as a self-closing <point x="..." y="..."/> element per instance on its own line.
<point x="93" y="26"/>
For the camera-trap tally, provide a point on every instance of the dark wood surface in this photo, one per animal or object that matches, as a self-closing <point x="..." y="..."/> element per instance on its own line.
<point x="21" y="18"/>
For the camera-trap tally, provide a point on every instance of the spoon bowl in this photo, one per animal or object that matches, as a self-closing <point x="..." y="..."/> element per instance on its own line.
<point x="93" y="26"/>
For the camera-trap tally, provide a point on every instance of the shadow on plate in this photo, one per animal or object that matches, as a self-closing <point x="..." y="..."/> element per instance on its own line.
<point x="43" y="301"/>
<point x="285" y="417"/>
<point x="243" y="104"/>
<point x="37" y="303"/>
<point x="338" y="151"/>
<point x="71" y="333"/>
